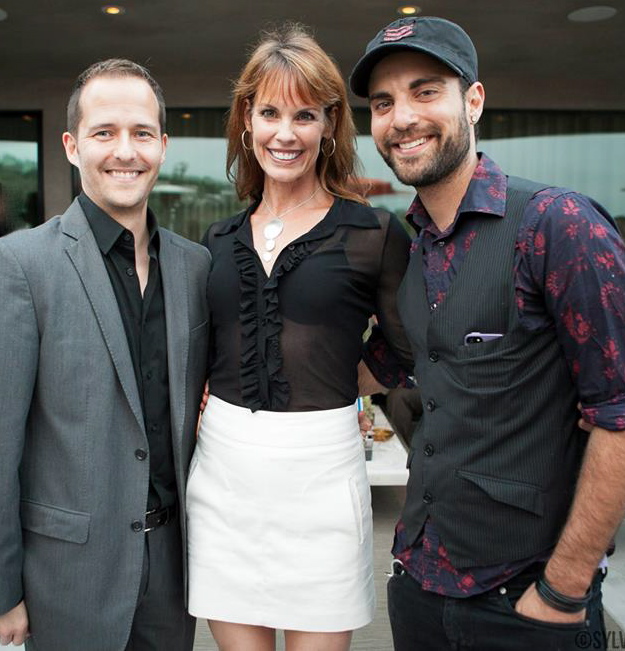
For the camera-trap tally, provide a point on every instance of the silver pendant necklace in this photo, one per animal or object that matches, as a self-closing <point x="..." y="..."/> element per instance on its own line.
<point x="274" y="228"/>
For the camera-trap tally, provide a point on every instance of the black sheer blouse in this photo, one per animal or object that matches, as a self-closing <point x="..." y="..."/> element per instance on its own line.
<point x="292" y="341"/>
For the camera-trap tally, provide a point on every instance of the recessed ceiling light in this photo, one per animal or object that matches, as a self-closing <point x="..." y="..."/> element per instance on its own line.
<point x="3" y="15"/>
<point x="186" y="116"/>
<point x="592" y="14"/>
<point x="113" y="10"/>
<point x="408" y="10"/>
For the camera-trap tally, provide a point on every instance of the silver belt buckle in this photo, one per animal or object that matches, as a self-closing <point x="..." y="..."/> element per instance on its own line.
<point x="147" y="513"/>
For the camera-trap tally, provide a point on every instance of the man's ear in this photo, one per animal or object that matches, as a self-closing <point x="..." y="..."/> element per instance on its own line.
<point x="474" y="98"/>
<point x="71" y="148"/>
<point x="164" y="140"/>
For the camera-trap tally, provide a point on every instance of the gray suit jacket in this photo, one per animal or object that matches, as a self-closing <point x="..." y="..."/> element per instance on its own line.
<point x="70" y="422"/>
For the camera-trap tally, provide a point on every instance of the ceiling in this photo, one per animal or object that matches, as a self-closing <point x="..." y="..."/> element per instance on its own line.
<point x="531" y="56"/>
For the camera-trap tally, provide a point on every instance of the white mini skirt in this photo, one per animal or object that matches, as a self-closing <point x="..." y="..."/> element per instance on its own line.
<point x="279" y="520"/>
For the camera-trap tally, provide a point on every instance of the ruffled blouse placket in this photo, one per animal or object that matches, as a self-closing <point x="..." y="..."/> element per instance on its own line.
<point x="263" y="385"/>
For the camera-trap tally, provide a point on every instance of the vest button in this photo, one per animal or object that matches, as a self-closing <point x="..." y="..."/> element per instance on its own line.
<point x="140" y="454"/>
<point x="428" y="449"/>
<point x="430" y="405"/>
<point x="137" y="526"/>
<point x="433" y="356"/>
<point x="427" y="498"/>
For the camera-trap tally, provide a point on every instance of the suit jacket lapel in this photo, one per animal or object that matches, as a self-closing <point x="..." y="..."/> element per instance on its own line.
<point x="86" y="257"/>
<point x="175" y="291"/>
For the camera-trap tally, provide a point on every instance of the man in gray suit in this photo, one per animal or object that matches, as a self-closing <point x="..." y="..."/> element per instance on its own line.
<point x="103" y="345"/>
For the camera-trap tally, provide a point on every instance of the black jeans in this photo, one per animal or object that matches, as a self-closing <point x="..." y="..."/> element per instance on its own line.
<point x="426" y="621"/>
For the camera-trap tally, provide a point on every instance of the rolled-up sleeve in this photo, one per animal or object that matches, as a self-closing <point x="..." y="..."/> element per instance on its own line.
<point x="571" y="277"/>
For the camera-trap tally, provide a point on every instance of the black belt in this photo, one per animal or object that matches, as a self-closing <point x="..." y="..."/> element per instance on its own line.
<point x="159" y="517"/>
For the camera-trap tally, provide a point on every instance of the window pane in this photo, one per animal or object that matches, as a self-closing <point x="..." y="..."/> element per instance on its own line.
<point x="385" y="190"/>
<point x="20" y="188"/>
<point x="192" y="190"/>
<point x="584" y="151"/>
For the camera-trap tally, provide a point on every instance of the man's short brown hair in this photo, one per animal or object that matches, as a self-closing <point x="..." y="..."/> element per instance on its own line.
<point x="111" y="68"/>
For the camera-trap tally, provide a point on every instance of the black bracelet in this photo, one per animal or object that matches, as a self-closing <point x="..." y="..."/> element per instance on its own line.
<point x="560" y="601"/>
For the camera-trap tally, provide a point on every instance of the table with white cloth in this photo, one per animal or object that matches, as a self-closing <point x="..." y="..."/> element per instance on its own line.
<point x="388" y="464"/>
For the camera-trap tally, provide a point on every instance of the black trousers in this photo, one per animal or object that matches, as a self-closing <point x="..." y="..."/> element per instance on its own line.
<point x="161" y="621"/>
<point x="425" y="621"/>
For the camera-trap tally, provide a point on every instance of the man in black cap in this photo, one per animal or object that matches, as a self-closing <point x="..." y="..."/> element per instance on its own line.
<point x="515" y="308"/>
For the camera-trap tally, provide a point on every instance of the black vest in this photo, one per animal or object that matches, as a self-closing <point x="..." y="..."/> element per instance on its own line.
<point x="495" y="458"/>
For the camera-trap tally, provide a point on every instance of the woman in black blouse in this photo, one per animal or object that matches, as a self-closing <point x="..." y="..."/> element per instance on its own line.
<point x="278" y="500"/>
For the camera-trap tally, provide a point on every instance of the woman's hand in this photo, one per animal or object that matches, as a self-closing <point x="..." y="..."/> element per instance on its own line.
<point x="365" y="424"/>
<point x="204" y="397"/>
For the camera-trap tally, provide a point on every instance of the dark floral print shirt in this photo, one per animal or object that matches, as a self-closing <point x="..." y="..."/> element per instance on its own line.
<point x="570" y="276"/>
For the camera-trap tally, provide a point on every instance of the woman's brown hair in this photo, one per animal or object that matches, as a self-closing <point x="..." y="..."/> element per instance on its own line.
<point x="289" y="61"/>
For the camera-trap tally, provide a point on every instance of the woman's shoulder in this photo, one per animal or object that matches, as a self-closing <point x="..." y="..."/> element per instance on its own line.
<point x="364" y="214"/>
<point x="224" y="226"/>
<point x="372" y="216"/>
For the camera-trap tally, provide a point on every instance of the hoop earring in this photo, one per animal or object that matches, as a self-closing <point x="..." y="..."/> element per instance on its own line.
<point x="323" y="148"/>
<point x="243" y="140"/>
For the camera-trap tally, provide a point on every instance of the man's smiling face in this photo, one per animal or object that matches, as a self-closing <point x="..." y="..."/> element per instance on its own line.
<point x="419" y="118"/>
<point x="118" y="146"/>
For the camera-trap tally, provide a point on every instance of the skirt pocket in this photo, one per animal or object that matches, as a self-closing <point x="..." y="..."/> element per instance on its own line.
<point x="357" y="508"/>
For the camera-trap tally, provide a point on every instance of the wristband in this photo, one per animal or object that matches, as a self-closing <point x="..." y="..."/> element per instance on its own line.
<point x="560" y="601"/>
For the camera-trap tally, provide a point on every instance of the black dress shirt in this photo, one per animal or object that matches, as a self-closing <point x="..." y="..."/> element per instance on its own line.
<point x="291" y="341"/>
<point x="144" y="322"/>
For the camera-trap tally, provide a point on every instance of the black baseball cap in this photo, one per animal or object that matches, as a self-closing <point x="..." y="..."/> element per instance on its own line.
<point x="437" y="37"/>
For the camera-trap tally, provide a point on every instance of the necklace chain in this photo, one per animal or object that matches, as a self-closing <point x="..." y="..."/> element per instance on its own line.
<point x="274" y="228"/>
<point x="288" y="210"/>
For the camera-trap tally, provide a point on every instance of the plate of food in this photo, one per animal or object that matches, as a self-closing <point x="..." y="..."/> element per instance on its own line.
<point x="382" y="433"/>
